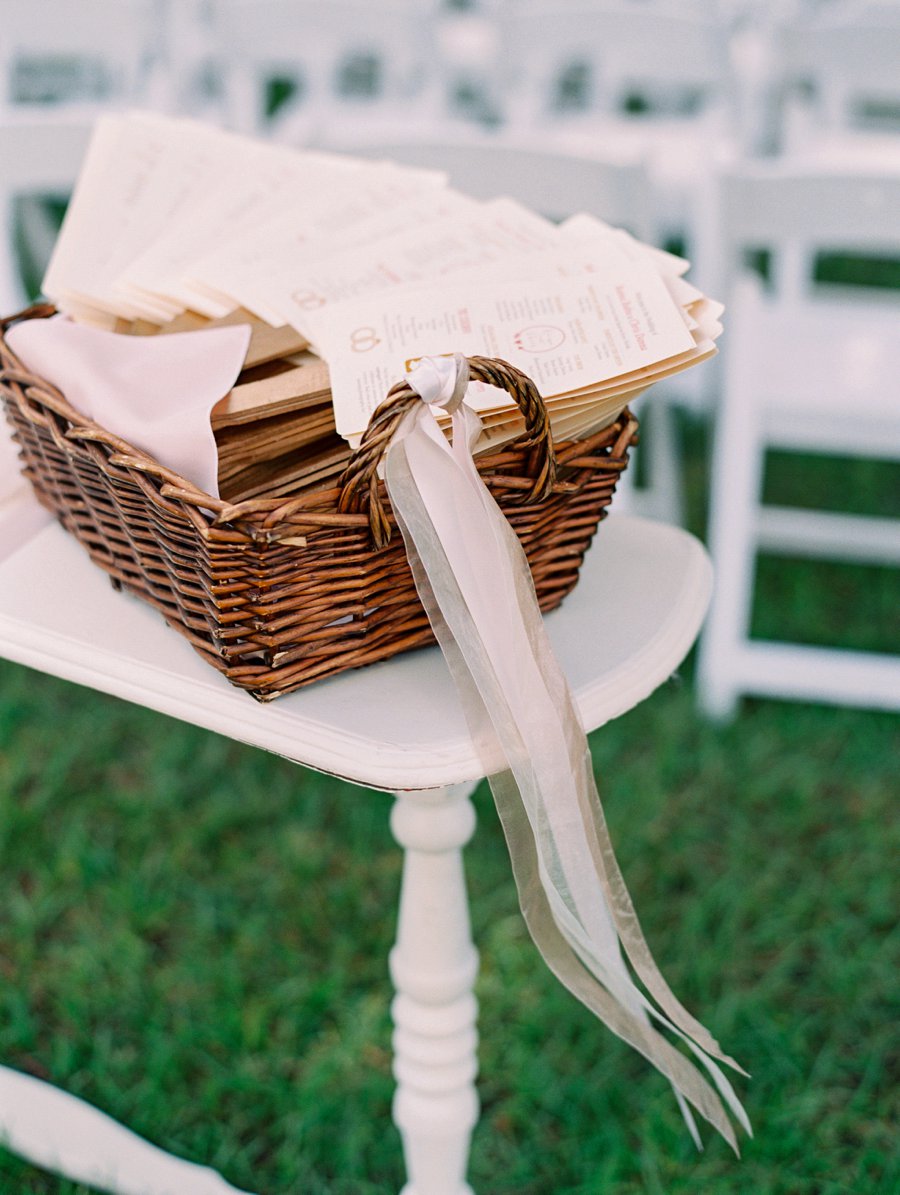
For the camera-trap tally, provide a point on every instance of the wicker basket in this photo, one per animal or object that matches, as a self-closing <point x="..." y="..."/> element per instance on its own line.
<point x="281" y="592"/>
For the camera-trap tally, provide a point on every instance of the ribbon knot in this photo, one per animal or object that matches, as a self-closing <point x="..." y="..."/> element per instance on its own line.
<point x="441" y="381"/>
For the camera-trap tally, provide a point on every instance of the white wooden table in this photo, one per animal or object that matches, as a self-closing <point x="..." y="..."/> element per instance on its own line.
<point x="396" y="726"/>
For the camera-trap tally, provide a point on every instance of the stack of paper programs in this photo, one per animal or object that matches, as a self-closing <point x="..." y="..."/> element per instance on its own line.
<point x="348" y="269"/>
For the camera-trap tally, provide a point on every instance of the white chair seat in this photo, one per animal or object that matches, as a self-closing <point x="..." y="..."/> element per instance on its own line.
<point x="844" y="149"/>
<point x="622" y="631"/>
<point x="825" y="347"/>
<point x="681" y="153"/>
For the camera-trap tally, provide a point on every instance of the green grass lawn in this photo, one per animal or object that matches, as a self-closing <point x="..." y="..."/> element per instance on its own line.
<point x="194" y="938"/>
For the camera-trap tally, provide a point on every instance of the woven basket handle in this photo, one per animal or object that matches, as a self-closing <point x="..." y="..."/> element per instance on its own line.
<point x="359" y="483"/>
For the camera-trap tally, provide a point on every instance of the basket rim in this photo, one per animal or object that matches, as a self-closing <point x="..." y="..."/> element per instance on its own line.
<point x="258" y="518"/>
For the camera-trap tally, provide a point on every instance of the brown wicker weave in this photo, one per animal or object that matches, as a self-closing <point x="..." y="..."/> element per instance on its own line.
<point x="277" y="593"/>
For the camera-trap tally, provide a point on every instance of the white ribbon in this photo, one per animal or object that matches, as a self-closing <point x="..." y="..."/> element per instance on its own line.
<point x="474" y="582"/>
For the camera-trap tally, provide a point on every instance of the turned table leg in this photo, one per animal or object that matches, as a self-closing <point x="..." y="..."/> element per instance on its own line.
<point x="433" y="966"/>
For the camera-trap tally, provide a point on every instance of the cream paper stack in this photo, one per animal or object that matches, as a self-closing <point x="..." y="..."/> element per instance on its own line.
<point x="348" y="270"/>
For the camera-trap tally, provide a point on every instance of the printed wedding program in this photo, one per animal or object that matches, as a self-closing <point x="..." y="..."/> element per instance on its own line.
<point x="347" y="270"/>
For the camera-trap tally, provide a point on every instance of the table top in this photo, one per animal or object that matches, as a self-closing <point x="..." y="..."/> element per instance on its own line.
<point x="625" y="628"/>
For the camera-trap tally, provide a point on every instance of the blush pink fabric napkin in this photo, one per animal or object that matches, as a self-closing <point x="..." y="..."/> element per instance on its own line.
<point x="156" y="392"/>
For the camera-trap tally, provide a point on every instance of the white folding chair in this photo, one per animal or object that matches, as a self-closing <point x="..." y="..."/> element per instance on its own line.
<point x="553" y="181"/>
<point x="61" y="65"/>
<point x="649" y="78"/>
<point x="805" y="370"/>
<point x="41" y="155"/>
<point x="467" y="52"/>
<point x="187" y="63"/>
<point x="97" y="52"/>
<point x="344" y="62"/>
<point x="840" y="69"/>
<point x="654" y="78"/>
<point x="396" y="726"/>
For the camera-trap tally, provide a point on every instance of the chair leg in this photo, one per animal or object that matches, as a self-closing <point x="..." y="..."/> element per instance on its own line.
<point x="735" y="493"/>
<point x="64" y="1134"/>
<point x="433" y="967"/>
<point x="667" y="503"/>
<point x="661" y="496"/>
<point x="12" y="288"/>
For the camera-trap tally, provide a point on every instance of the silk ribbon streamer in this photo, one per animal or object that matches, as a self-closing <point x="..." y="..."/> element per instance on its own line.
<point x="474" y="582"/>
